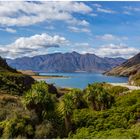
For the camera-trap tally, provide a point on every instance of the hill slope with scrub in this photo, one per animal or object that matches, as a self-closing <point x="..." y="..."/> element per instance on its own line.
<point x="44" y="112"/>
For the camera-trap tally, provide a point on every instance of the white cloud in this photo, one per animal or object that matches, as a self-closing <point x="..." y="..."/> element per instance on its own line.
<point x="82" y="45"/>
<point x="23" y="13"/>
<point x="113" y="50"/>
<point x="130" y="8"/>
<point x="10" y="30"/>
<point x="110" y="37"/>
<point x="29" y="46"/>
<point x="127" y="13"/>
<point x="109" y="11"/>
<point x="78" y="30"/>
<point x="100" y="8"/>
<point x="50" y="27"/>
<point x="97" y="5"/>
<point x="78" y="22"/>
<point x="109" y="50"/>
<point x="93" y="15"/>
<point x="38" y="44"/>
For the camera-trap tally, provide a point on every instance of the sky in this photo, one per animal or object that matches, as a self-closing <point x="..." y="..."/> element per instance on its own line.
<point x="107" y="29"/>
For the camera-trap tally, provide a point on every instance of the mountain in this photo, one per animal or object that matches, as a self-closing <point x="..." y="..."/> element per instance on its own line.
<point x="11" y="81"/>
<point x="130" y="67"/>
<point x="67" y="62"/>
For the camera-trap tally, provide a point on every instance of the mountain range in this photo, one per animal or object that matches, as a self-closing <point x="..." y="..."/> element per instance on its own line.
<point x="67" y="62"/>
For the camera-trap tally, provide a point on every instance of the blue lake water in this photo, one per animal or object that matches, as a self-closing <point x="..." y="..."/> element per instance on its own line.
<point x="81" y="80"/>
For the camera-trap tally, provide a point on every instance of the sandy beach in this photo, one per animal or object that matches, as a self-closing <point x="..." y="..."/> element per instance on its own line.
<point x="126" y="85"/>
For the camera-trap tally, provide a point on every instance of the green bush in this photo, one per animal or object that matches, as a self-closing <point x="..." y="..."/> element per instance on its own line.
<point x="17" y="127"/>
<point x="39" y="99"/>
<point x="15" y="83"/>
<point x="44" y="131"/>
<point x="117" y="90"/>
<point x="98" y="97"/>
<point x="72" y="115"/>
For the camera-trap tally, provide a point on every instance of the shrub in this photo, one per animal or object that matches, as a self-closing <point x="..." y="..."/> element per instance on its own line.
<point x="39" y="99"/>
<point x="98" y="97"/>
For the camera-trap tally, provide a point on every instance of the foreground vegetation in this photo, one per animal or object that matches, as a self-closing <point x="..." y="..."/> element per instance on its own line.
<point x="99" y="111"/>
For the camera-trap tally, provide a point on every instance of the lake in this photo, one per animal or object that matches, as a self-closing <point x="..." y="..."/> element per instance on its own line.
<point x="81" y="80"/>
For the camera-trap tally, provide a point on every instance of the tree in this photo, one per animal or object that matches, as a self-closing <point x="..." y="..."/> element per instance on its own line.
<point x="77" y="97"/>
<point x="69" y="102"/>
<point x="97" y="97"/>
<point x="66" y="108"/>
<point x="39" y="99"/>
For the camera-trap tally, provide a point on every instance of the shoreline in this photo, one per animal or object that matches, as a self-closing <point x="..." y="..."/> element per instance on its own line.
<point x="131" y="87"/>
<point x="47" y="76"/>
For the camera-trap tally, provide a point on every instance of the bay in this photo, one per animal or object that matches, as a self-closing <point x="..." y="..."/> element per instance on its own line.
<point x="81" y="80"/>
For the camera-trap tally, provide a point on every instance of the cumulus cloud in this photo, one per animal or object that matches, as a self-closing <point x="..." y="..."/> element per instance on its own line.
<point x="111" y="37"/>
<point x="29" y="46"/>
<point x="23" y="13"/>
<point x="109" y="50"/>
<point x="113" y="50"/>
<point x="82" y="47"/>
<point x="78" y="30"/>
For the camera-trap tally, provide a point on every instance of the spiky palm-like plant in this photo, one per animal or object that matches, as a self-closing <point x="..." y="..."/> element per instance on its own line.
<point x="69" y="102"/>
<point x="39" y="99"/>
<point x="97" y="97"/>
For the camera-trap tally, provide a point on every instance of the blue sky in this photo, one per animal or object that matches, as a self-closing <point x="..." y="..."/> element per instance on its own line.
<point x="108" y="29"/>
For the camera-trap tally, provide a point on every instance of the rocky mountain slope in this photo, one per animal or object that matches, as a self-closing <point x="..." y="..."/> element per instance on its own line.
<point x="130" y="67"/>
<point x="68" y="62"/>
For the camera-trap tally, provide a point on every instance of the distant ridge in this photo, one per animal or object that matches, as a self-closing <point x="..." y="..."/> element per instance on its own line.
<point x="67" y="62"/>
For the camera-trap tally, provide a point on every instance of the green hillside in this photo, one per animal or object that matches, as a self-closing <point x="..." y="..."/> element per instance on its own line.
<point x="11" y="81"/>
<point x="99" y="111"/>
